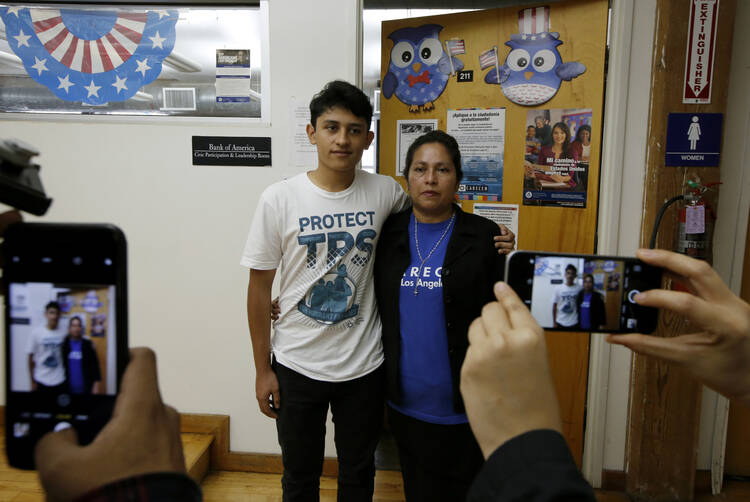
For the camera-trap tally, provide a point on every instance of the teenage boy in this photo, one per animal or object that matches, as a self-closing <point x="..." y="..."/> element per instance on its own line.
<point x="321" y="228"/>
<point x="46" y="368"/>
<point x="565" y="308"/>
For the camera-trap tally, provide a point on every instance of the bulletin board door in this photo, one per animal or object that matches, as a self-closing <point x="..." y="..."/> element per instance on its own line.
<point x="485" y="90"/>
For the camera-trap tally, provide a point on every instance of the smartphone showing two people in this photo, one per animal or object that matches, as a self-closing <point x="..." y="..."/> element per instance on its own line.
<point x="569" y="292"/>
<point x="66" y="343"/>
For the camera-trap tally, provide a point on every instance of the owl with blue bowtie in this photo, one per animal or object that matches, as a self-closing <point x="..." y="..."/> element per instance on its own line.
<point x="533" y="69"/>
<point x="419" y="67"/>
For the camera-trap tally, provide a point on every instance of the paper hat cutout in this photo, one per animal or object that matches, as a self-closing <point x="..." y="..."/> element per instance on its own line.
<point x="532" y="21"/>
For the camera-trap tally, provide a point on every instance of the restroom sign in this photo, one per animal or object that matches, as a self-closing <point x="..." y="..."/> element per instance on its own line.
<point x="701" y="43"/>
<point x="693" y="139"/>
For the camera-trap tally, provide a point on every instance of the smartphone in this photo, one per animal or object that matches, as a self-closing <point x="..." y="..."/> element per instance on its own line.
<point x="66" y="337"/>
<point x="591" y="293"/>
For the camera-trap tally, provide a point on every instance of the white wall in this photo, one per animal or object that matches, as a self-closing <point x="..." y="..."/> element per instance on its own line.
<point x="186" y="225"/>
<point x="633" y="174"/>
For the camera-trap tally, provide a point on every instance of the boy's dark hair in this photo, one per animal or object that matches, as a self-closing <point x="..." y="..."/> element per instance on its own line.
<point x="571" y="267"/>
<point x="52" y="305"/>
<point x="436" y="136"/>
<point x="343" y="94"/>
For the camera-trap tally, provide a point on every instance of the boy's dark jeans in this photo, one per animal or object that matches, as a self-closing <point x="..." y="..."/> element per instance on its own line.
<point x="357" y="408"/>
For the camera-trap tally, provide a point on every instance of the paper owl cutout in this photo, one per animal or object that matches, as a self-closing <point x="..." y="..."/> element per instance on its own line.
<point x="533" y="70"/>
<point x="419" y="67"/>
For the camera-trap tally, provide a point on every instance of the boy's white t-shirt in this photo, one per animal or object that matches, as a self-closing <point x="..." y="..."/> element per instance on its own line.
<point x="567" y="309"/>
<point x="46" y="346"/>
<point x="323" y="244"/>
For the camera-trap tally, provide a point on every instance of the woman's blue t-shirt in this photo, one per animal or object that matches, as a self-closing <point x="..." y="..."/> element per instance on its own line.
<point x="426" y="383"/>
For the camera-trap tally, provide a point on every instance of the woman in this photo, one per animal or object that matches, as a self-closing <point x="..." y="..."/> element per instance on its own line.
<point x="582" y="144"/>
<point x="592" y="315"/>
<point x="80" y="359"/>
<point x="560" y="156"/>
<point x="434" y="271"/>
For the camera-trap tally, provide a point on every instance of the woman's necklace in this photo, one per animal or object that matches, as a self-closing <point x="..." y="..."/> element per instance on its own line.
<point x="419" y="253"/>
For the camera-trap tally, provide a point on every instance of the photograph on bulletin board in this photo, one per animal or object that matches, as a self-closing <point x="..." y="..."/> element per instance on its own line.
<point x="556" y="159"/>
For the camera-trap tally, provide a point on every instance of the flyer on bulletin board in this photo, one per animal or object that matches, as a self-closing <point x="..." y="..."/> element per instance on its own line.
<point x="556" y="160"/>
<point x="480" y="133"/>
<point x="506" y="214"/>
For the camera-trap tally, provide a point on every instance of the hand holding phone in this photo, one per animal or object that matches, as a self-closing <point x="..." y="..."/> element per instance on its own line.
<point x="590" y="293"/>
<point x="505" y="378"/>
<point x="718" y="352"/>
<point x="65" y="331"/>
<point x="143" y="436"/>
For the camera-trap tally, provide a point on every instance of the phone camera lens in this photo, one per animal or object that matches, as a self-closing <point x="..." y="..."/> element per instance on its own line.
<point x="107" y="261"/>
<point x="77" y="260"/>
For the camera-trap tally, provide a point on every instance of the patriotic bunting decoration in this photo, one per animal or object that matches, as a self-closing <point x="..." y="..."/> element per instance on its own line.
<point x="92" y="56"/>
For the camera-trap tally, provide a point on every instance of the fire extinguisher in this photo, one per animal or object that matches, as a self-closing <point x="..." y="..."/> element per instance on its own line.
<point x="695" y="227"/>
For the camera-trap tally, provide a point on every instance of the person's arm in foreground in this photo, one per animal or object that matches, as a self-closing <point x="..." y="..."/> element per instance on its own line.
<point x="136" y="456"/>
<point x="259" y="320"/>
<point x="513" y="410"/>
<point x="718" y="352"/>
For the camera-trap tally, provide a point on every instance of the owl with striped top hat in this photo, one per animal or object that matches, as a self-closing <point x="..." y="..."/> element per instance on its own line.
<point x="533" y="69"/>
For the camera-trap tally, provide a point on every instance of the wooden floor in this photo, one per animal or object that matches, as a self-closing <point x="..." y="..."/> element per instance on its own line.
<point x="224" y="486"/>
<point x="250" y="487"/>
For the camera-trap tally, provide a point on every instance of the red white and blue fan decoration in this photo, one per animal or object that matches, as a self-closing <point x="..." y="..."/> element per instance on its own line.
<point x="92" y="56"/>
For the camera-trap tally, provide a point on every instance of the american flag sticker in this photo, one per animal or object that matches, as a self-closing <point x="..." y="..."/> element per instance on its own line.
<point x="455" y="47"/>
<point x="488" y="58"/>
<point x="535" y="20"/>
<point x="91" y="56"/>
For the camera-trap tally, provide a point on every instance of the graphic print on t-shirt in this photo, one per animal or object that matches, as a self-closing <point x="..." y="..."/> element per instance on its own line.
<point x="52" y="351"/>
<point x="334" y="296"/>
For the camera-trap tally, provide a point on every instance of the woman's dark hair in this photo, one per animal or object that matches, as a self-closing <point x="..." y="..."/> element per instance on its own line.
<point x="436" y="136"/>
<point x="588" y="276"/>
<point x="581" y="129"/>
<point x="75" y="318"/>
<point x="345" y="95"/>
<point x="566" y="144"/>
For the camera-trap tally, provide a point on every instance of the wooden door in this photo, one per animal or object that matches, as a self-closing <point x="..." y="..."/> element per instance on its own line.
<point x="577" y="102"/>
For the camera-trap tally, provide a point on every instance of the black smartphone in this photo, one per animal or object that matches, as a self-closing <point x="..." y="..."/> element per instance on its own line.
<point x="591" y="293"/>
<point x="66" y="337"/>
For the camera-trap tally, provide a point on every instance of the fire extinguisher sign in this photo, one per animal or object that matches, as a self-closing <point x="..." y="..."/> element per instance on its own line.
<point x="701" y="44"/>
<point x="693" y="139"/>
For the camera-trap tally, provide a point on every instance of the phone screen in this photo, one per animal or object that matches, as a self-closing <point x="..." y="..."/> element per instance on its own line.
<point x="66" y="331"/>
<point x="584" y="292"/>
<point x="63" y="338"/>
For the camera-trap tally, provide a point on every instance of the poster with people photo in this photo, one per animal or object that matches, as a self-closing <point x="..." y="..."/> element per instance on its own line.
<point x="556" y="158"/>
